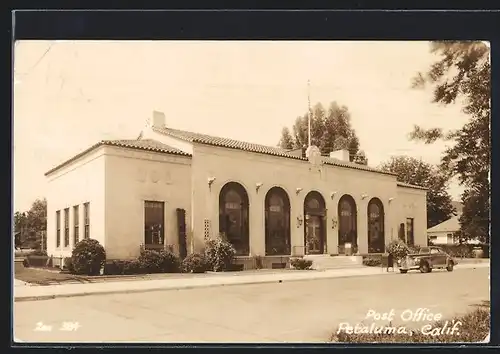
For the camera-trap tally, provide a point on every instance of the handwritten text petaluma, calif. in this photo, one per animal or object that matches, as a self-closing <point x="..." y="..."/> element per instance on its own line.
<point x="422" y="316"/>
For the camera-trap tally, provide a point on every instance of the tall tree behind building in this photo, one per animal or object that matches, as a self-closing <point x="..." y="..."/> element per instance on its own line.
<point x="330" y="130"/>
<point x="463" y="72"/>
<point x="32" y="224"/>
<point x="413" y="171"/>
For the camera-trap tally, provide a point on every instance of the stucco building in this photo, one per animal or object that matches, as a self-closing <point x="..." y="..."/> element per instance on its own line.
<point x="172" y="188"/>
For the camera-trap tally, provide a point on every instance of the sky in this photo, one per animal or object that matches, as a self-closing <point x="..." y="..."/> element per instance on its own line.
<point x="68" y="95"/>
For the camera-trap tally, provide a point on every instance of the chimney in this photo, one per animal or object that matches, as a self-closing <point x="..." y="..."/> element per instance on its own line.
<point x="342" y="155"/>
<point x="158" y="119"/>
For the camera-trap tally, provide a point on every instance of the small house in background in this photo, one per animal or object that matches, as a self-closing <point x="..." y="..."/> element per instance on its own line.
<point x="442" y="234"/>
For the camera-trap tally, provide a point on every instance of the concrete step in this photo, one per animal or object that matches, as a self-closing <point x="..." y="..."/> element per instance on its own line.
<point x="335" y="262"/>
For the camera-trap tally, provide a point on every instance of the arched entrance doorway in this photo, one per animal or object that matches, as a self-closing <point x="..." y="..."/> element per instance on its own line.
<point x="277" y="206"/>
<point x="233" y="217"/>
<point x="376" y="236"/>
<point x="348" y="232"/>
<point x="314" y="225"/>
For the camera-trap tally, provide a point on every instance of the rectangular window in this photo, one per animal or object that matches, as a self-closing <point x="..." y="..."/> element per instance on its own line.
<point x="58" y="228"/>
<point x="410" y="240"/>
<point x="66" y="227"/>
<point x="401" y="232"/>
<point x="154" y="218"/>
<point x="76" y="224"/>
<point x="86" y="216"/>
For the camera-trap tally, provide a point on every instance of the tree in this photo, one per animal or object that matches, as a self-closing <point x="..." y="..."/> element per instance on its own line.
<point x="475" y="218"/>
<point x="20" y="224"/>
<point x="32" y="224"/>
<point x="464" y="72"/>
<point x="37" y="216"/>
<point x="360" y="158"/>
<point x="19" y="221"/>
<point x="413" y="171"/>
<point x="286" y="141"/>
<point x="330" y="130"/>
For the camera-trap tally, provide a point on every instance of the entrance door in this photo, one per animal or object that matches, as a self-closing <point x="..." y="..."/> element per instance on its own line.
<point x="347" y="223"/>
<point x="376" y="237"/>
<point x="314" y="235"/>
<point x="314" y="225"/>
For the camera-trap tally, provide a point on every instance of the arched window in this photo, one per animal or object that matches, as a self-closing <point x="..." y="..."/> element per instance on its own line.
<point x="376" y="234"/>
<point x="314" y="225"/>
<point x="277" y="205"/>
<point x="347" y="222"/>
<point x="233" y="217"/>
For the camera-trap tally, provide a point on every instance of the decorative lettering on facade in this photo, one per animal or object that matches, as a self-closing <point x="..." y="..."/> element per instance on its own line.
<point x="168" y="177"/>
<point x="155" y="176"/>
<point x="141" y="175"/>
<point x="233" y="206"/>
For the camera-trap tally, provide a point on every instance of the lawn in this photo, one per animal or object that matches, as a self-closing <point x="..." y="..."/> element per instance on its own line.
<point x="45" y="276"/>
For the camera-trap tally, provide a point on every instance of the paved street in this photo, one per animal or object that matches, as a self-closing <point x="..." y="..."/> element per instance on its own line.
<point x="301" y="311"/>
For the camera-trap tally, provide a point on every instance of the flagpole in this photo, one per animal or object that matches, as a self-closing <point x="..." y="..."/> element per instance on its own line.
<point x="308" y="113"/>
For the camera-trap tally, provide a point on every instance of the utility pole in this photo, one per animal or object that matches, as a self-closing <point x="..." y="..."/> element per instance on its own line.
<point x="309" y="113"/>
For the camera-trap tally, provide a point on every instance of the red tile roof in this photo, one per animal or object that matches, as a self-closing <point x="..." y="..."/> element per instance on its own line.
<point x="256" y="148"/>
<point x="406" y="185"/>
<point x="143" y="144"/>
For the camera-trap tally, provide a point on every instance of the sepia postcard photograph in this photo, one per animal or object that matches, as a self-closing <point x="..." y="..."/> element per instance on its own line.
<point x="188" y="191"/>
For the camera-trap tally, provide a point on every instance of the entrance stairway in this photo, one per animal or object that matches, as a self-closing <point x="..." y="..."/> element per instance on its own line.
<point x="326" y="261"/>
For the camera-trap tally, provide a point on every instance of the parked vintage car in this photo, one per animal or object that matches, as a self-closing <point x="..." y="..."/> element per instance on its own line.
<point x="427" y="259"/>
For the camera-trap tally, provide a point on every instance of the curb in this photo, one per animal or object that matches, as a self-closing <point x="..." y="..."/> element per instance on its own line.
<point x="196" y="286"/>
<point x="181" y="287"/>
<point x="177" y="287"/>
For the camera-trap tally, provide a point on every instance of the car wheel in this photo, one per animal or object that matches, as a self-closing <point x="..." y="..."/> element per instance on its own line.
<point x="424" y="268"/>
<point x="403" y="271"/>
<point x="449" y="267"/>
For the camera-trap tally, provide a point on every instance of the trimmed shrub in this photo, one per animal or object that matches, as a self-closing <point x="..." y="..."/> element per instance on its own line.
<point x="459" y="251"/>
<point x="133" y="267"/>
<point x="37" y="261"/>
<point x="219" y="254"/>
<point x="171" y="263"/>
<point x="114" y="267"/>
<point x="195" y="263"/>
<point x="151" y="261"/>
<point x="398" y="249"/>
<point x="88" y="257"/>
<point x="68" y="264"/>
<point x="372" y="261"/>
<point x="301" y="263"/>
<point x="159" y="261"/>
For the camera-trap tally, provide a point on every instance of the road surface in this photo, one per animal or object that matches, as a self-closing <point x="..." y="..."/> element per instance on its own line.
<point x="301" y="311"/>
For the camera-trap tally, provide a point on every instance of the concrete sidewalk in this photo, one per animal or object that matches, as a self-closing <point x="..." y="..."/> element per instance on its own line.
<point x="32" y="293"/>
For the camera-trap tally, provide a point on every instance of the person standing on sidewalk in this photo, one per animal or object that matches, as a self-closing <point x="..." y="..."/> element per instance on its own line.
<point x="390" y="262"/>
